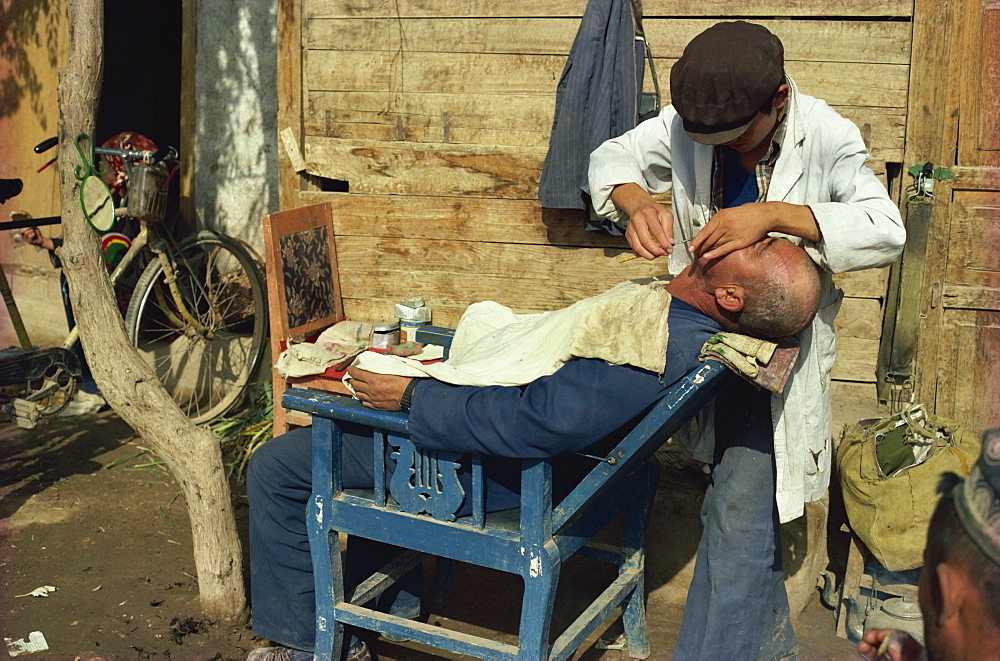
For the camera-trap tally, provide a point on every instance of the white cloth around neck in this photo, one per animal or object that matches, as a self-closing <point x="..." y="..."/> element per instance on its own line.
<point x="493" y="345"/>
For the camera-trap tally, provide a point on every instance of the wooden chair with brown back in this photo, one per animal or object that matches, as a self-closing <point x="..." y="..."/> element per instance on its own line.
<point x="303" y="290"/>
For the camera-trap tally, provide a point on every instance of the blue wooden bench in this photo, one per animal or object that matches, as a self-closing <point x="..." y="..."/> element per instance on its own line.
<point x="417" y="512"/>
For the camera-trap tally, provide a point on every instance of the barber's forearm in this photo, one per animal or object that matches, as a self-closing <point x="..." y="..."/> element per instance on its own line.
<point x="630" y="196"/>
<point x="795" y="220"/>
<point x="859" y="235"/>
<point x="735" y="228"/>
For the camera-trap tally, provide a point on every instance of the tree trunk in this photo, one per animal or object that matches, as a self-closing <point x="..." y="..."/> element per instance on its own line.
<point x="126" y="381"/>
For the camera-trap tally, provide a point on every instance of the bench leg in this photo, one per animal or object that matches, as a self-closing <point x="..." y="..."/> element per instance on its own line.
<point x="540" y="582"/>
<point x="634" y="545"/>
<point x="329" y="578"/>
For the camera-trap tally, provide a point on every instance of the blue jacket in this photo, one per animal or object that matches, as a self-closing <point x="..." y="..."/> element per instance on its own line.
<point x="586" y="404"/>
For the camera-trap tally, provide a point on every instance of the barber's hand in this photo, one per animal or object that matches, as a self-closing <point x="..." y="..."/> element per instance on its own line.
<point x="736" y="228"/>
<point x="650" y="230"/>
<point x="889" y="644"/>
<point x="33" y="236"/>
<point x="732" y="229"/>
<point x="378" y="391"/>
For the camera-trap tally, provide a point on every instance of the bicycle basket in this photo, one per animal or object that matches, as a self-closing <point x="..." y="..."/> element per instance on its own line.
<point x="146" y="198"/>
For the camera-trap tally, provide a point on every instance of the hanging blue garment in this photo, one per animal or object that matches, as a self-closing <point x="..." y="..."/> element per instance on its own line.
<point x="597" y="99"/>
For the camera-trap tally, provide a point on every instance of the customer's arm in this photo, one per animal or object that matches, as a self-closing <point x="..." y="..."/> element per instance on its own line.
<point x="584" y="401"/>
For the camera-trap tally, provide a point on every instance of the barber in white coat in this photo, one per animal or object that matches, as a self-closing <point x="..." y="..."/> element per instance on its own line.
<point x="746" y="155"/>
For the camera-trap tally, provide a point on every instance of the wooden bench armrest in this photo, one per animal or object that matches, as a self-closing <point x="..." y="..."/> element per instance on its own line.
<point x="338" y="407"/>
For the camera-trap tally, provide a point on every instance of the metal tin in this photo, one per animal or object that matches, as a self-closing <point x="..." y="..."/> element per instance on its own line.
<point x="385" y="334"/>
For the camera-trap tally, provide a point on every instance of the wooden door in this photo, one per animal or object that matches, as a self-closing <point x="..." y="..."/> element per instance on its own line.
<point x="958" y="355"/>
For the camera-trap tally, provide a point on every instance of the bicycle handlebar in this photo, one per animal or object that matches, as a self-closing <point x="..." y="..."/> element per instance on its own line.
<point x="30" y="222"/>
<point x="163" y="153"/>
<point x="46" y="145"/>
<point x="10" y="188"/>
<point x="132" y="155"/>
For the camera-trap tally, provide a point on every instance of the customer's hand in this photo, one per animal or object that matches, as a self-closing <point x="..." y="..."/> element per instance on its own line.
<point x="891" y="645"/>
<point x="378" y="391"/>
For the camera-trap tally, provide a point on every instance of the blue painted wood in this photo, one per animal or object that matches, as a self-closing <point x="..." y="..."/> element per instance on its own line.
<point x="478" y="493"/>
<point x="454" y="641"/>
<point x="601" y="553"/>
<point x="384" y="578"/>
<point x="535" y="549"/>
<point x="634" y="567"/>
<point x="324" y="546"/>
<point x="572" y="535"/>
<point x="438" y="335"/>
<point x="540" y="572"/>
<point x="588" y="621"/>
<point x="493" y="547"/>
<point x="426" y="482"/>
<point x="680" y="403"/>
<point x="378" y="466"/>
<point x="444" y="576"/>
<point x="326" y="446"/>
<point x="338" y="407"/>
<point x="536" y="501"/>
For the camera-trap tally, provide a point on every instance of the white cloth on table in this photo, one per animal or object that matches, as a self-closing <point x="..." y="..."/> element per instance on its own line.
<point x="334" y="345"/>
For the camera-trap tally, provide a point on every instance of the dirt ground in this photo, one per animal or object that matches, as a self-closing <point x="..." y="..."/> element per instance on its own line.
<point x="84" y="509"/>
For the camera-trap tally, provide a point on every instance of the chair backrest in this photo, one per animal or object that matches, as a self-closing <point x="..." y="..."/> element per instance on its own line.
<point x="302" y="279"/>
<point x="303" y="286"/>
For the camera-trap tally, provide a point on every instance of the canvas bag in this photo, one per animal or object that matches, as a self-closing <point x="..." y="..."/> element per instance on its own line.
<point x="890" y="469"/>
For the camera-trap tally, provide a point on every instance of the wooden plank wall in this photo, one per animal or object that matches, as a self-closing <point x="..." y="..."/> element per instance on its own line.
<point x="437" y="115"/>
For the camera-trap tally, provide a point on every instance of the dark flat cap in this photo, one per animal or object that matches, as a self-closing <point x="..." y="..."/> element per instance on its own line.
<point x="977" y="499"/>
<point x="725" y="75"/>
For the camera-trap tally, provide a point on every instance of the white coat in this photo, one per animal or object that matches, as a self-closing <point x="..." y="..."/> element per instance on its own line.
<point x="822" y="165"/>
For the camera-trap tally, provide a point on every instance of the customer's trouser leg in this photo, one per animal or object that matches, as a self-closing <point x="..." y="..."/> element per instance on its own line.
<point x="737" y="606"/>
<point x="279" y="484"/>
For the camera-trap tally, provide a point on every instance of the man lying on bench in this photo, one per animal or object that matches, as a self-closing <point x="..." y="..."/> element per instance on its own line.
<point x="767" y="290"/>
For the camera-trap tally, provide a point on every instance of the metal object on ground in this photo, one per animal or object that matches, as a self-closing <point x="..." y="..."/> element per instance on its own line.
<point x="897" y="613"/>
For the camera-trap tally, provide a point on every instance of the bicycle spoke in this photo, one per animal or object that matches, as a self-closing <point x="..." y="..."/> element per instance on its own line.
<point x="205" y="347"/>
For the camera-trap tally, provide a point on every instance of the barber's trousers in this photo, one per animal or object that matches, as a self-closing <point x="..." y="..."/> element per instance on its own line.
<point x="737" y="606"/>
<point x="279" y="484"/>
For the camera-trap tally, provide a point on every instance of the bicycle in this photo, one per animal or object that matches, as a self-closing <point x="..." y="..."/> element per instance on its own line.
<point x="198" y="311"/>
<point x="33" y="382"/>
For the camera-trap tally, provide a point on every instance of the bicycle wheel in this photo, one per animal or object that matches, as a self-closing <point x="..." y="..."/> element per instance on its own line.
<point x="205" y="350"/>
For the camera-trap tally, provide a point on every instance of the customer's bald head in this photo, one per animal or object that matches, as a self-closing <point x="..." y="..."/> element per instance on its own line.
<point x="769" y="289"/>
<point x="783" y="287"/>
